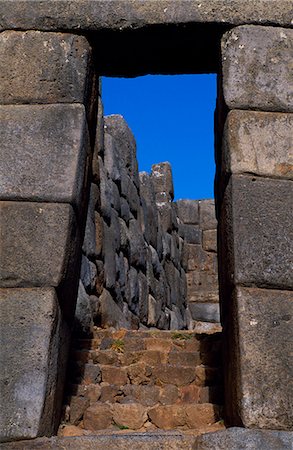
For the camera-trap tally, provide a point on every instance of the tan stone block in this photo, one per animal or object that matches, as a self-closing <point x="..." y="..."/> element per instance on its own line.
<point x="201" y="415"/>
<point x="258" y="143"/>
<point x="162" y="345"/>
<point x="139" y="373"/>
<point x="168" y="417"/>
<point x="114" y="375"/>
<point x="189" y="394"/>
<point x="180" y="375"/>
<point x="78" y="405"/>
<point x="183" y="358"/>
<point x="93" y="392"/>
<point x="168" y="394"/>
<point x="209" y="240"/>
<point x="131" y="415"/>
<point x="98" y="417"/>
<point x="70" y="431"/>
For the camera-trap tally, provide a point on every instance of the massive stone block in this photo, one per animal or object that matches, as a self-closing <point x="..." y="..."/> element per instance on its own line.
<point x="38" y="67"/>
<point x="38" y="243"/>
<point x="259" y="143"/>
<point x="163" y="182"/>
<point x="43" y="152"/>
<point x="257" y="68"/>
<point x="30" y="339"/>
<point x="256" y="232"/>
<point x="260" y="362"/>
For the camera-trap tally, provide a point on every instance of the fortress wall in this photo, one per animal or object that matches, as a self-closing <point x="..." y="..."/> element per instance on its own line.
<point x="145" y="257"/>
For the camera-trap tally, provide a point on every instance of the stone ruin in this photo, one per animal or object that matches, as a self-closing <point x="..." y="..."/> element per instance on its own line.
<point x="88" y="242"/>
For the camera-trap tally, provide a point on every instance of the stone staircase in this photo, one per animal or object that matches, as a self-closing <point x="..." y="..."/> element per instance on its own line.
<point x="144" y="381"/>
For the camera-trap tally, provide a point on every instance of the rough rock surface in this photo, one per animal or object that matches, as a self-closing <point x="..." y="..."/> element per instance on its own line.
<point x="257" y="71"/>
<point x="30" y="340"/>
<point x="49" y="145"/>
<point x="40" y="67"/>
<point x="258" y="143"/>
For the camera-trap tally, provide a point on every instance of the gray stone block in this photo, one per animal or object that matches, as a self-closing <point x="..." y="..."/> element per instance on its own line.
<point x="91" y="241"/>
<point x="205" y="312"/>
<point x="39" y="243"/>
<point x="99" y="141"/>
<point x="256" y="231"/>
<point x="187" y="211"/>
<point x="143" y="293"/>
<point x="88" y="274"/>
<point x="258" y="143"/>
<point x="83" y="320"/>
<point x="244" y="439"/>
<point x="111" y="158"/>
<point x="256" y="64"/>
<point x="116" y="126"/>
<point x="207" y="215"/>
<point x="41" y="67"/>
<point x="110" y="314"/>
<point x="30" y="339"/>
<point x="43" y="152"/>
<point x="109" y="253"/>
<point x="137" y="245"/>
<point x="259" y="330"/>
<point x="105" y="192"/>
<point x="209" y="240"/>
<point x="163" y="181"/>
<point x="190" y="233"/>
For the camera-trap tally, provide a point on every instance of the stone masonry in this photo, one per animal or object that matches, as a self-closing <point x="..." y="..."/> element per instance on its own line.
<point x="79" y="224"/>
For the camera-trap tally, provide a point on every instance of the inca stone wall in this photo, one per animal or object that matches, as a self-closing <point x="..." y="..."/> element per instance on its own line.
<point x="48" y="96"/>
<point x="139" y="244"/>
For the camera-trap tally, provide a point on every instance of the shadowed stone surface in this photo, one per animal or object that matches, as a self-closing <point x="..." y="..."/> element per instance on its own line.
<point x="257" y="227"/>
<point x="121" y="14"/>
<point x="242" y="439"/>
<point x="264" y="386"/>
<point x="257" y="68"/>
<point x="30" y="339"/>
<point x="38" y="243"/>
<point x="43" y="152"/>
<point x="259" y="143"/>
<point x="38" y="67"/>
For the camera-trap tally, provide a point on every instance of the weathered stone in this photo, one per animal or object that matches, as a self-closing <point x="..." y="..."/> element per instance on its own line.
<point x="98" y="417"/>
<point x="205" y="312"/>
<point x="137" y="246"/>
<point x="263" y="388"/>
<point x="143" y="293"/>
<point x="94" y="17"/>
<point x="256" y="64"/>
<point x="258" y="143"/>
<point x="44" y="68"/>
<point x="168" y="417"/>
<point x="78" y="405"/>
<point x="48" y="229"/>
<point x="83" y="313"/>
<point x="109" y="252"/>
<point x="190" y="233"/>
<point x="115" y="196"/>
<point x="207" y="215"/>
<point x="209" y="240"/>
<point x="125" y="143"/>
<point x="236" y="438"/>
<point x="30" y="333"/>
<point x="201" y="415"/>
<point x="187" y="211"/>
<point x="154" y="311"/>
<point x="176" y="319"/>
<point x="125" y="210"/>
<point x="105" y="193"/>
<point x="257" y="216"/>
<point x="49" y="145"/>
<point x="92" y="236"/>
<point x="129" y="192"/>
<point x="132" y="292"/>
<point x="131" y="415"/>
<point x="180" y="375"/>
<point x="140" y="373"/>
<point x="99" y="141"/>
<point x="111" y="158"/>
<point x="99" y="234"/>
<point x="110" y="313"/>
<point x="114" y="375"/>
<point x="88" y="273"/>
<point x="162" y="181"/>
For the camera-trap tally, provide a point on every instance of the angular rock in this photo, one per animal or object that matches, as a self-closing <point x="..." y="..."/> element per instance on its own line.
<point x="207" y="215"/>
<point x="190" y="233"/>
<point x="209" y="240"/>
<point x="258" y="143"/>
<point x="41" y="67"/>
<point x="30" y="346"/>
<point x="162" y="181"/>
<point x="256" y="62"/>
<point x="83" y="321"/>
<point x="167" y="417"/>
<point x="137" y="245"/>
<point x="257" y="216"/>
<point x="130" y="415"/>
<point x="88" y="273"/>
<point x="38" y="243"/>
<point x="187" y="211"/>
<point x="110" y="313"/>
<point x="111" y="158"/>
<point x="92" y="239"/>
<point x="262" y="319"/>
<point x="99" y="141"/>
<point x="98" y="417"/>
<point x="205" y="312"/>
<point x="201" y="415"/>
<point x="49" y="145"/>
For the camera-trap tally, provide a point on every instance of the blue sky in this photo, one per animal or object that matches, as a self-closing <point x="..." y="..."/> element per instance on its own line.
<point x="171" y="117"/>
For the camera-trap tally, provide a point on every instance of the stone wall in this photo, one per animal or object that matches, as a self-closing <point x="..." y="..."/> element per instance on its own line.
<point x="139" y="243"/>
